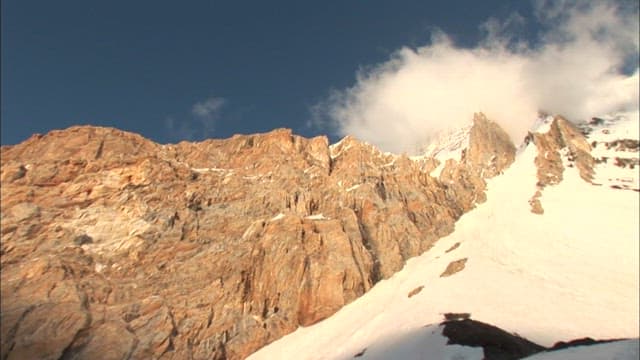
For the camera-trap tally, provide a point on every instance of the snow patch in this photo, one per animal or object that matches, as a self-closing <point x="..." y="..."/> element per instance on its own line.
<point x="608" y="129"/>
<point x="542" y="125"/>
<point x="316" y="217"/>
<point x="425" y="343"/>
<point x="277" y="217"/>
<point x="212" y="169"/>
<point x="438" y="170"/>
<point x="353" y="187"/>
<point x="335" y="150"/>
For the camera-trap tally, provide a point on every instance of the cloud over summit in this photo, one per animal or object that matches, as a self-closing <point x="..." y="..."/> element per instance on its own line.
<point x="208" y="108"/>
<point x="579" y="67"/>
<point x="202" y="125"/>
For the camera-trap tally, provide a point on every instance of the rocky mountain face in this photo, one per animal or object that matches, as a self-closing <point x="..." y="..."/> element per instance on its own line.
<point x="115" y="247"/>
<point x="560" y="145"/>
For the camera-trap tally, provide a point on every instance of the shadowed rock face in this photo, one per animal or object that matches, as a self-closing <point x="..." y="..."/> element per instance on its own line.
<point x="116" y="247"/>
<point x="496" y="343"/>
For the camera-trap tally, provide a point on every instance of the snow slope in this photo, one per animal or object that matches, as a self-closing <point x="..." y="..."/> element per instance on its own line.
<point x="447" y="145"/>
<point x="572" y="272"/>
<point x="621" y="126"/>
<point x="427" y="342"/>
<point x="619" y="350"/>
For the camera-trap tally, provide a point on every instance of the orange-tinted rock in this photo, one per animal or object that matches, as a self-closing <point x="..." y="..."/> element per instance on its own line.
<point x="211" y="249"/>
<point x="562" y="143"/>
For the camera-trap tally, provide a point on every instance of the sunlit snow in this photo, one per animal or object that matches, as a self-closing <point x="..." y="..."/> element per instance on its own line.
<point x="572" y="272"/>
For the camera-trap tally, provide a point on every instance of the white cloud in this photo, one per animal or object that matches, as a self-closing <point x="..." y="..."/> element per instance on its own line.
<point x="207" y="113"/>
<point x="575" y="69"/>
<point x="180" y="130"/>
<point x="208" y="108"/>
<point x="202" y="126"/>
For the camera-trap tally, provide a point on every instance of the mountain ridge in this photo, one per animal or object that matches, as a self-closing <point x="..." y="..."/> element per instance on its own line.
<point x="566" y="273"/>
<point x="212" y="249"/>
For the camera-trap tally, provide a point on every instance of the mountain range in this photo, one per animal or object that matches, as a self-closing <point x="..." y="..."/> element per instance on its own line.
<point x="275" y="246"/>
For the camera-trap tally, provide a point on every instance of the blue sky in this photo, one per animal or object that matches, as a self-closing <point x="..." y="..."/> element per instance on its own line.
<point x="144" y="66"/>
<point x="391" y="73"/>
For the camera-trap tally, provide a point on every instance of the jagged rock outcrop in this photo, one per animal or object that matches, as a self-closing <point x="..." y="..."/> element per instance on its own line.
<point x="117" y="247"/>
<point x="490" y="151"/>
<point x="563" y="143"/>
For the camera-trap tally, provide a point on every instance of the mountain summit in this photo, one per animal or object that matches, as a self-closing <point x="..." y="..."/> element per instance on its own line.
<point x="115" y="247"/>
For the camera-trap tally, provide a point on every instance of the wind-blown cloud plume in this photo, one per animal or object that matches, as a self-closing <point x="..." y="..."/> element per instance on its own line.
<point x="206" y="112"/>
<point x="205" y="115"/>
<point x="584" y="63"/>
<point x="208" y="107"/>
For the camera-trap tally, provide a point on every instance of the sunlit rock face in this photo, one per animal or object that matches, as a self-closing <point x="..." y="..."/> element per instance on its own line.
<point x="560" y="144"/>
<point x="117" y="247"/>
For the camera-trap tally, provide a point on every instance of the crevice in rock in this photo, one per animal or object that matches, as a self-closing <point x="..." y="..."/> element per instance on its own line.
<point x="136" y="342"/>
<point x="265" y="308"/>
<point x="381" y="189"/>
<point x="332" y="164"/>
<point x="172" y="334"/>
<point x="246" y="285"/>
<point x="359" y="265"/>
<point x="79" y="340"/>
<point x="99" y="151"/>
<point x="12" y="332"/>
<point x="210" y="316"/>
<point x="375" y="275"/>
<point x="77" y="344"/>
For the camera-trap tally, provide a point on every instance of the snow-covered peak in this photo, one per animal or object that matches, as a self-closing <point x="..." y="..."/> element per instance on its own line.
<point x="542" y="124"/>
<point x="615" y="148"/>
<point x="444" y="146"/>
<point x="569" y="273"/>
<point x="609" y="127"/>
<point x="449" y="144"/>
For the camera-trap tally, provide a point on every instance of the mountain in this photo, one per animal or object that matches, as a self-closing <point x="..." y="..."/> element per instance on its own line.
<point x="117" y="247"/>
<point x="552" y="255"/>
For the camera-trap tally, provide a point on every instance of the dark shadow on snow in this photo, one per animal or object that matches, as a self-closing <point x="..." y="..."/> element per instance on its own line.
<point x="460" y="329"/>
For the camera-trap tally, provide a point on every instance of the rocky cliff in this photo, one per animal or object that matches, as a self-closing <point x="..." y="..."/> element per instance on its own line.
<point x="115" y="247"/>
